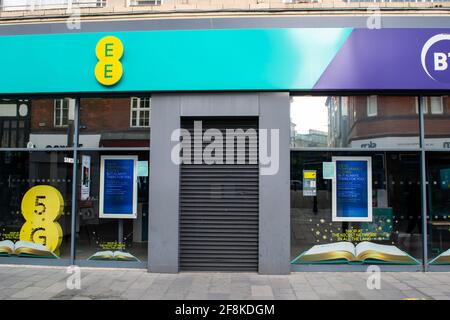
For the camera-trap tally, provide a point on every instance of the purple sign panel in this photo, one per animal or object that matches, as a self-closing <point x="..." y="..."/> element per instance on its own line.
<point x="386" y="59"/>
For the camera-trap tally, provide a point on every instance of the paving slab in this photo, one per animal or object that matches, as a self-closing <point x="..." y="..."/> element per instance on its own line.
<point x="19" y="282"/>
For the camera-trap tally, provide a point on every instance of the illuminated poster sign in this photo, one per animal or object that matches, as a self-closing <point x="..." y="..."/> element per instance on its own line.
<point x="309" y="183"/>
<point x="118" y="187"/>
<point x="85" y="177"/>
<point x="352" y="189"/>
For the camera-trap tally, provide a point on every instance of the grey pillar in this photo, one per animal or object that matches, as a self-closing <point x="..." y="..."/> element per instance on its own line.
<point x="274" y="190"/>
<point x="274" y="212"/>
<point x="164" y="186"/>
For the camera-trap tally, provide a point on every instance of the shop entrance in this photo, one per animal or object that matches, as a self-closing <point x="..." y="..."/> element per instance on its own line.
<point x="219" y="197"/>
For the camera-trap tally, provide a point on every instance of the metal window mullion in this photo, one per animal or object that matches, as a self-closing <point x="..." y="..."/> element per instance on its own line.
<point x="423" y="173"/>
<point x="74" y="184"/>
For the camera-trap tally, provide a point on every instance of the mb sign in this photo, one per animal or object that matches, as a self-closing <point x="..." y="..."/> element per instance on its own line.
<point x="109" y="70"/>
<point x="435" y="57"/>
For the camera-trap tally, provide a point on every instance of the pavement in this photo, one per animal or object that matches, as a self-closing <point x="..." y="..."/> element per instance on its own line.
<point x="32" y="282"/>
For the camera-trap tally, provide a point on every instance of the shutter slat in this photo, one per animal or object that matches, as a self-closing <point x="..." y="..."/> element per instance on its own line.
<point x="219" y="205"/>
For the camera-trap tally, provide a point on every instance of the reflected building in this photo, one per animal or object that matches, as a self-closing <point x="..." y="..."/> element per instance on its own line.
<point x="121" y="122"/>
<point x="374" y="122"/>
<point x="312" y="139"/>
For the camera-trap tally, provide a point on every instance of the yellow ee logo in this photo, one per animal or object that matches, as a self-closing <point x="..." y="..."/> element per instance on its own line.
<point x="41" y="208"/>
<point x="108" y="70"/>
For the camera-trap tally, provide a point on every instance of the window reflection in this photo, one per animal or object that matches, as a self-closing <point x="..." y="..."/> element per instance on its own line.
<point x="437" y="122"/>
<point x="115" y="122"/>
<point x="359" y="122"/>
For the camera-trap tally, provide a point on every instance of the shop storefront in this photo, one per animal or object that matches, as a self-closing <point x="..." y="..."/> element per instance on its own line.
<point x="122" y="148"/>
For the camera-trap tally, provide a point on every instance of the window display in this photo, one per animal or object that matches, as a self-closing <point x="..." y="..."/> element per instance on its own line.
<point x="35" y="204"/>
<point x="113" y="217"/>
<point x="379" y="224"/>
<point x="112" y="187"/>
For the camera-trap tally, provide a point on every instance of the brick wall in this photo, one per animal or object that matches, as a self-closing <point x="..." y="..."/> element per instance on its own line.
<point x="97" y="115"/>
<point x="396" y="116"/>
<point x="103" y="115"/>
<point x="42" y="116"/>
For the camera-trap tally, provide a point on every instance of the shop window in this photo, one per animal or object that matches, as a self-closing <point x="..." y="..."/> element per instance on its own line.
<point x="372" y="106"/>
<point x="355" y="207"/>
<point x="35" y="205"/>
<point x="113" y="206"/>
<point x="438" y="178"/>
<point x="140" y="112"/>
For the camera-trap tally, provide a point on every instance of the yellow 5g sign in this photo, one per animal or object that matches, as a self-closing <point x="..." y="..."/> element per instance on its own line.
<point x="41" y="208"/>
<point x="108" y="70"/>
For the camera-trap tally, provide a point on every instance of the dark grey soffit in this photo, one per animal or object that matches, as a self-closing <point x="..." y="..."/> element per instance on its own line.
<point x="226" y="23"/>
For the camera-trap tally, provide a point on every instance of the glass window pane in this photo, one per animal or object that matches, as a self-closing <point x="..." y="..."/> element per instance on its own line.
<point x="13" y="138"/>
<point x="343" y="122"/>
<point x="58" y="121"/>
<point x="372" y="106"/>
<point x="436" y="105"/>
<point x="47" y="128"/>
<point x="96" y="234"/>
<point x="51" y="173"/>
<point x="395" y="200"/>
<point x="438" y="177"/>
<point x="40" y="124"/>
<point x="437" y="123"/>
<point x="65" y="117"/>
<point x="105" y="122"/>
<point x="134" y="103"/>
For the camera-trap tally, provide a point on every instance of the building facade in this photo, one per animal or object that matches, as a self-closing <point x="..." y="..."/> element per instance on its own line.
<point x="266" y="136"/>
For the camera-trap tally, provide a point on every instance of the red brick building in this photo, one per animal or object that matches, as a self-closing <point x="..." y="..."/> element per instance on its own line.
<point x="388" y="122"/>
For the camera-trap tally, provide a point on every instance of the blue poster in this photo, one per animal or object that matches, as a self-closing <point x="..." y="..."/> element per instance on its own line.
<point x="118" y="187"/>
<point x="352" y="194"/>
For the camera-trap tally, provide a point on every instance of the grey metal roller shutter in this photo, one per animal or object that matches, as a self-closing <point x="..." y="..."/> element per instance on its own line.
<point x="219" y="206"/>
